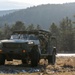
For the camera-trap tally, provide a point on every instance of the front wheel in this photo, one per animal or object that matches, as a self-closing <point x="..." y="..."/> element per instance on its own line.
<point x="35" y="59"/>
<point x="24" y="61"/>
<point x="35" y="56"/>
<point x="52" y="59"/>
<point x="2" y="59"/>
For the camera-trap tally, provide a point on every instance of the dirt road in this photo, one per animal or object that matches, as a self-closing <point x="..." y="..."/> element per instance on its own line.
<point x="63" y="66"/>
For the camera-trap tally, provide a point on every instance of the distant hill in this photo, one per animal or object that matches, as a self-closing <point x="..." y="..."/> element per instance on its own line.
<point x="43" y="15"/>
<point x="6" y="12"/>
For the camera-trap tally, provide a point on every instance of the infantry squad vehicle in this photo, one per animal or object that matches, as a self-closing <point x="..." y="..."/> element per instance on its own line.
<point x="29" y="46"/>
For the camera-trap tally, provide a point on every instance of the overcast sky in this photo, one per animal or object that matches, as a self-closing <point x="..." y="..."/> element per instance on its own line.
<point x="19" y="4"/>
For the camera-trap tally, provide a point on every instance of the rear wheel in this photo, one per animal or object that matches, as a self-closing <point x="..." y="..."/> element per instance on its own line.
<point x="2" y="59"/>
<point x="52" y="59"/>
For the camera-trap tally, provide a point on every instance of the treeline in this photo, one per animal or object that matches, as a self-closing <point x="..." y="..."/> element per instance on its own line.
<point x="64" y="33"/>
<point x="7" y="30"/>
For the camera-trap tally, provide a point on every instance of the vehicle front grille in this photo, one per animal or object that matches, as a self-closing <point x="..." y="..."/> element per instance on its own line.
<point x="12" y="45"/>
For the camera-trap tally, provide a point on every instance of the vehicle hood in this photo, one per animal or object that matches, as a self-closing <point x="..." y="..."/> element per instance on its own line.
<point x="18" y="41"/>
<point x="13" y="41"/>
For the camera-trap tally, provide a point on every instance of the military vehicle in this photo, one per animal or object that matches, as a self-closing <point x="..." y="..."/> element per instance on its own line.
<point x="29" y="46"/>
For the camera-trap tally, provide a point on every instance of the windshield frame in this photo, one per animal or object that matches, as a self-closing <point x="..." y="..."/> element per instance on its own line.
<point x="24" y="36"/>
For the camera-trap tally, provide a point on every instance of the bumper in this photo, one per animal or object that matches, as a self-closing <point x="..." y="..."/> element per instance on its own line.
<point x="11" y="55"/>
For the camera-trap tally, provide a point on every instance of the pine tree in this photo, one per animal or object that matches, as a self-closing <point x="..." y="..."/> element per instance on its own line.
<point x="30" y="27"/>
<point x="18" y="26"/>
<point x="66" y="35"/>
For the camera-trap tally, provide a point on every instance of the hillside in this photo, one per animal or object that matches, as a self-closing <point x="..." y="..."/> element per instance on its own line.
<point x="43" y="15"/>
<point x="6" y="12"/>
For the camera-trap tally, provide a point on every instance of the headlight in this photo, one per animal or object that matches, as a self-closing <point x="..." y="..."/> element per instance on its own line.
<point x="30" y="42"/>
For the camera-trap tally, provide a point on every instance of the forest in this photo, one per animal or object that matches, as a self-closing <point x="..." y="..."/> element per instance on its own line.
<point x="64" y="33"/>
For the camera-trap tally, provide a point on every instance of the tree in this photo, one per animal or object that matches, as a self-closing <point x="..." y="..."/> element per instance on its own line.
<point x="18" y="26"/>
<point x="1" y="33"/>
<point x="54" y="29"/>
<point x="38" y="27"/>
<point x="6" y="31"/>
<point x="66" y="35"/>
<point x="30" y="27"/>
<point x="55" y="32"/>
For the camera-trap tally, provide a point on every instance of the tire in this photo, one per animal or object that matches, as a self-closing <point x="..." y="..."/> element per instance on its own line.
<point x="52" y="59"/>
<point x="35" y="56"/>
<point x="2" y="59"/>
<point x="35" y="59"/>
<point x="24" y="61"/>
